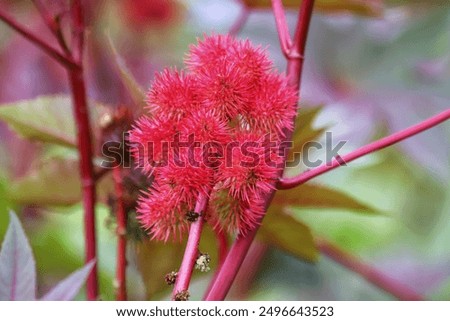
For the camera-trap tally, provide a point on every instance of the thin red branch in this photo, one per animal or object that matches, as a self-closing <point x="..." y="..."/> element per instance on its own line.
<point x="121" y="218"/>
<point x="53" y="25"/>
<point x="191" y="252"/>
<point x="282" y="27"/>
<point x="241" y="246"/>
<point x="287" y="183"/>
<point x="301" y="32"/>
<point x="63" y="59"/>
<point x="374" y="276"/>
<point x="77" y="30"/>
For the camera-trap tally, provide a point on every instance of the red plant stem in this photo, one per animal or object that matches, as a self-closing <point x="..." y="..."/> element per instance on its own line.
<point x="287" y="183"/>
<point x="63" y="59"/>
<point x="240" y="248"/>
<point x="248" y="271"/>
<point x="282" y="28"/>
<point x="84" y="139"/>
<point x="53" y="25"/>
<point x="121" y="217"/>
<point x="87" y="174"/>
<point x="398" y="290"/>
<point x="191" y="252"/>
<point x="222" y="244"/>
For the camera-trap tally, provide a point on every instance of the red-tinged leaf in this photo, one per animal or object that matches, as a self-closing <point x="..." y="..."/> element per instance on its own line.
<point x="317" y="196"/>
<point x="68" y="288"/>
<point x="288" y="234"/>
<point x="17" y="265"/>
<point x="371" y="8"/>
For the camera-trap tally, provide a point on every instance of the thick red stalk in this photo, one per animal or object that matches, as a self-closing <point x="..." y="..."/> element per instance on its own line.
<point x="63" y="59"/>
<point x="121" y="218"/>
<point x="248" y="270"/>
<point x="240" y="248"/>
<point x="292" y="182"/>
<point x="84" y="139"/>
<point x="191" y="252"/>
<point x="398" y="290"/>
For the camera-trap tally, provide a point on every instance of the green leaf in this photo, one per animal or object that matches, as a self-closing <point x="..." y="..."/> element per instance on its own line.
<point x="52" y="182"/>
<point x="137" y="93"/>
<point x="304" y="131"/>
<point x="372" y="8"/>
<point x="47" y="118"/>
<point x="288" y="234"/>
<point x="317" y="196"/>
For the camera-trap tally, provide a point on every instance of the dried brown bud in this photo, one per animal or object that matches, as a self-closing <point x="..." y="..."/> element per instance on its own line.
<point x="171" y="277"/>
<point x="182" y="296"/>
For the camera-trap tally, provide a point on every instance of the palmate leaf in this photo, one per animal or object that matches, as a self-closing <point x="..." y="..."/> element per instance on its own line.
<point x="47" y="119"/>
<point x="371" y="8"/>
<point x="17" y="265"/>
<point x="288" y="234"/>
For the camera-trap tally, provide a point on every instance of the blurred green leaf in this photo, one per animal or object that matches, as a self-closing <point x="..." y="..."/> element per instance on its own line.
<point x="317" y="196"/>
<point x="52" y="182"/>
<point x="372" y="8"/>
<point x="47" y="118"/>
<point x="137" y="93"/>
<point x="304" y="131"/>
<point x="288" y="234"/>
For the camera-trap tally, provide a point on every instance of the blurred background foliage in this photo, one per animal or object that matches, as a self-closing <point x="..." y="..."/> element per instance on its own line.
<point x="372" y="67"/>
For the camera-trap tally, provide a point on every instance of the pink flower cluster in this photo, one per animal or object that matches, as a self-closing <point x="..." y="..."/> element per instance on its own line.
<point x="230" y="95"/>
